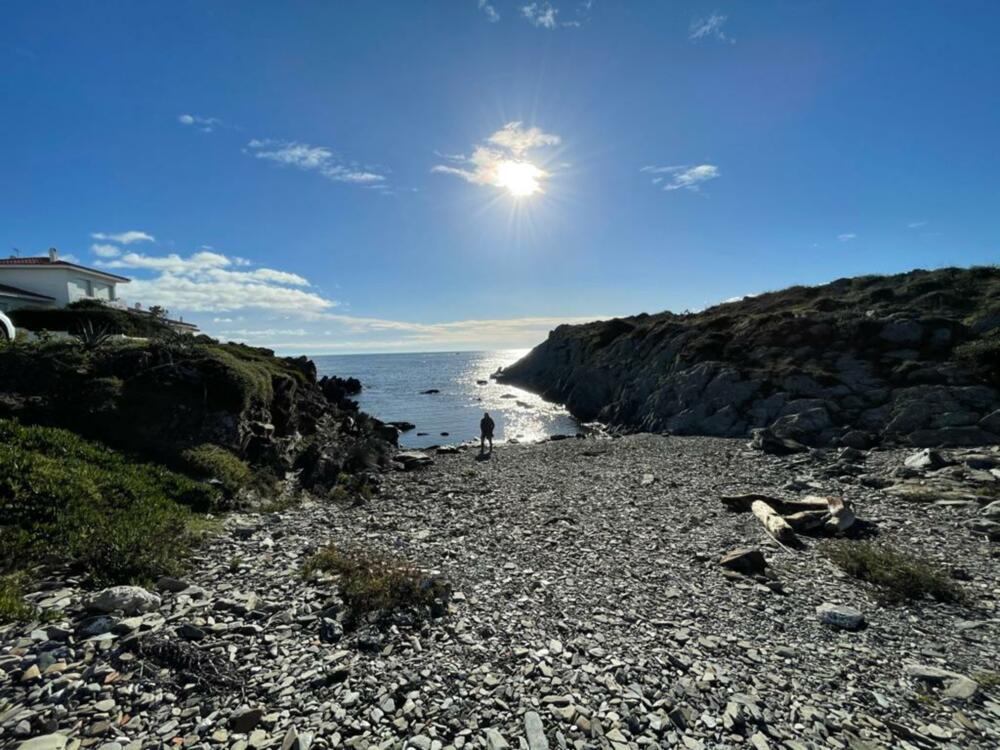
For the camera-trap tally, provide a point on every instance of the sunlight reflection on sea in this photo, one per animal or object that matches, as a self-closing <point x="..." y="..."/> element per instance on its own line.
<point x="393" y="386"/>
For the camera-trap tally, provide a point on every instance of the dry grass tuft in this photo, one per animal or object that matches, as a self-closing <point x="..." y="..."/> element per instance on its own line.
<point x="899" y="576"/>
<point x="371" y="582"/>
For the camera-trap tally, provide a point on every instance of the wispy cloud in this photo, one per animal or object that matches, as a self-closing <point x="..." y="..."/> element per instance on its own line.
<point x="105" y="251"/>
<point x="319" y="159"/>
<point x="847" y="236"/>
<point x="682" y="176"/>
<point x="336" y="332"/>
<point x="710" y="27"/>
<point x="206" y="282"/>
<point x="491" y="12"/>
<point x="541" y="14"/>
<point x="204" y="124"/>
<point x="510" y="144"/>
<point x="124" y="238"/>
<point x="916" y="224"/>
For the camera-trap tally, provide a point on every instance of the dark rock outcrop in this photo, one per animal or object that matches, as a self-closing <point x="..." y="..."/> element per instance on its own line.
<point x="912" y="358"/>
<point x="158" y="398"/>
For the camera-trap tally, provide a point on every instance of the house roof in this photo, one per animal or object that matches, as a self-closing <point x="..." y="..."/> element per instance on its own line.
<point x="44" y="262"/>
<point x="13" y="291"/>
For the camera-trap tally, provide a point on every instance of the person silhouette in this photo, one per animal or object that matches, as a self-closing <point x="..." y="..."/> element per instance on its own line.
<point x="486" y="426"/>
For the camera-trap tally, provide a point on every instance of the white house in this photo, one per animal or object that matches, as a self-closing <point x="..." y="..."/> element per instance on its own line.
<point x="47" y="281"/>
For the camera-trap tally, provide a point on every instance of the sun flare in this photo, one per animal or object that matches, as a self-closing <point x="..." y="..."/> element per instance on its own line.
<point x="520" y="178"/>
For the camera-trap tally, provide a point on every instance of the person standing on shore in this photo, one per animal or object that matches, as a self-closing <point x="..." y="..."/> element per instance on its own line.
<point x="486" y="426"/>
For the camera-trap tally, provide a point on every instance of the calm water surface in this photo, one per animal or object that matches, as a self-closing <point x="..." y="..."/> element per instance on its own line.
<point x="393" y="385"/>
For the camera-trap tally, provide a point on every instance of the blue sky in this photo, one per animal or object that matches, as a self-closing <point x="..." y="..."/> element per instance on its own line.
<point x="373" y="176"/>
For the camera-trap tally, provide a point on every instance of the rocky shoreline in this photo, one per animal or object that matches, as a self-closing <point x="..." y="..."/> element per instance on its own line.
<point x="589" y="609"/>
<point x="911" y="359"/>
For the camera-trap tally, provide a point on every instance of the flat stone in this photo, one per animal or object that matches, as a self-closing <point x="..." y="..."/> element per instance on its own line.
<point x="926" y="460"/>
<point x="961" y="688"/>
<point x="45" y="742"/>
<point x="132" y="600"/>
<point x="840" y="616"/>
<point x="744" y="560"/>
<point x="244" y="720"/>
<point x="495" y="740"/>
<point x="535" y="732"/>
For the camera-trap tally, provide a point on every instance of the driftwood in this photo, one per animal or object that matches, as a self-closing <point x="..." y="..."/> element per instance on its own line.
<point x="776" y="526"/>
<point x="743" y="503"/>
<point x="841" y="516"/>
<point x="807" y="520"/>
<point x="784" y="517"/>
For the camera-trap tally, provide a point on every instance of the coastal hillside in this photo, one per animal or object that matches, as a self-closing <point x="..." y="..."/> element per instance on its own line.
<point x="197" y="405"/>
<point x="912" y="359"/>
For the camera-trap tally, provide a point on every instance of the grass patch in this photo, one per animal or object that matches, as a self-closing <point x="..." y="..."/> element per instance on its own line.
<point x="210" y="461"/>
<point x="13" y="608"/>
<point x="987" y="680"/>
<point x="68" y="501"/>
<point x="899" y="576"/>
<point x="371" y="582"/>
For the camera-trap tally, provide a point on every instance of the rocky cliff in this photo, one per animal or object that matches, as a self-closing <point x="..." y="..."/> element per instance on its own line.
<point x="912" y="358"/>
<point x="162" y="398"/>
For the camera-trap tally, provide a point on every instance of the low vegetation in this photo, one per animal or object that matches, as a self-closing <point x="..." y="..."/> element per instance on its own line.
<point x="71" y="502"/>
<point x="988" y="679"/>
<point x="370" y="582"/>
<point x="983" y="356"/>
<point x="13" y="608"/>
<point x="136" y="387"/>
<point x="209" y="461"/>
<point x="92" y="315"/>
<point x="899" y="576"/>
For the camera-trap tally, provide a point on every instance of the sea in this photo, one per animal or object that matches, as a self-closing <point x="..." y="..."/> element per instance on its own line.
<point x="394" y="385"/>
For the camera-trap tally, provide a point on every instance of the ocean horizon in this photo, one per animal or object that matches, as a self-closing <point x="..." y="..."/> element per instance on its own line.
<point x="395" y="385"/>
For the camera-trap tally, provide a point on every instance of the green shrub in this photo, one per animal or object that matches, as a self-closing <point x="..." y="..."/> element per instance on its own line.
<point x="13" y="608"/>
<point x="94" y="315"/>
<point x="210" y="461"/>
<point x="70" y="501"/>
<point x="371" y="582"/>
<point x="899" y="576"/>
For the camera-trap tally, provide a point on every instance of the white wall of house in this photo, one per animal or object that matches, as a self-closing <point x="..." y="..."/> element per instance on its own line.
<point x="65" y="285"/>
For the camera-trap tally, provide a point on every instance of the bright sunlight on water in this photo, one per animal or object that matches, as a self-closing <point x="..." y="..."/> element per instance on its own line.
<point x="393" y="385"/>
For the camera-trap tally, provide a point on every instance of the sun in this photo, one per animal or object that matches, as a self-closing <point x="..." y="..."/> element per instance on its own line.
<point x="520" y="178"/>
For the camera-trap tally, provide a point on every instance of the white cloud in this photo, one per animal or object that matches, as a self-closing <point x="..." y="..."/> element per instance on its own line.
<point x="682" y="176"/>
<point x="491" y="13"/>
<point x="509" y="145"/>
<point x="515" y="138"/>
<point x="335" y="332"/>
<point x="197" y="263"/>
<point x="244" y="333"/>
<point x="204" y="124"/>
<point x="105" y="251"/>
<point x="204" y="282"/>
<point x="710" y="27"/>
<point x="916" y="224"/>
<point x="541" y="14"/>
<point x="846" y="236"/>
<point x="124" y="238"/>
<point x="69" y="258"/>
<point x="319" y="159"/>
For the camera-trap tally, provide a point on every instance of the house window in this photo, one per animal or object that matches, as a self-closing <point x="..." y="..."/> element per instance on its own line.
<point x="100" y="290"/>
<point x="78" y="289"/>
